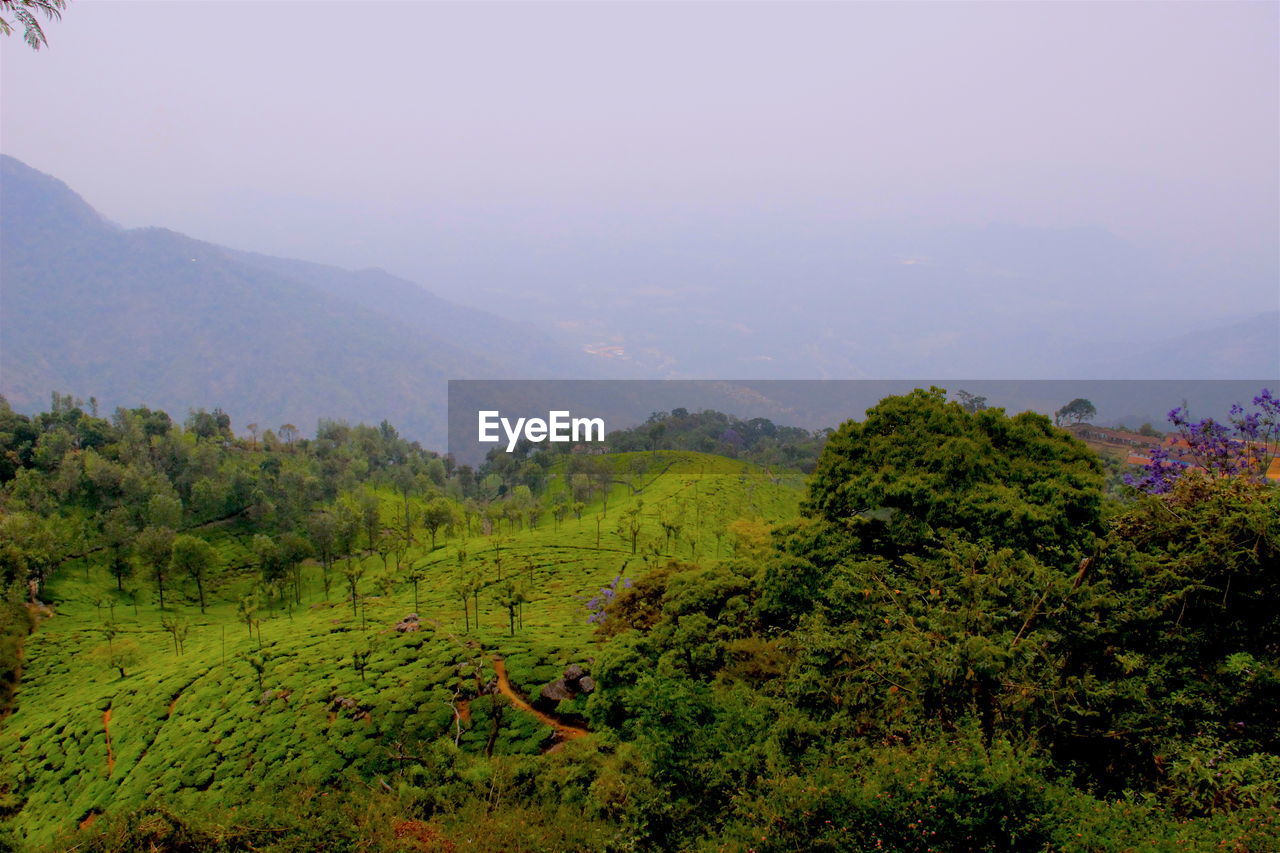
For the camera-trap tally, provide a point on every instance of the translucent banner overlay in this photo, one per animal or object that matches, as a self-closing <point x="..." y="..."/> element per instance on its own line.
<point x="569" y="411"/>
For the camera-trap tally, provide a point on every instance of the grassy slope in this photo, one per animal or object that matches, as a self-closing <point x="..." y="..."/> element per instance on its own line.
<point x="197" y="726"/>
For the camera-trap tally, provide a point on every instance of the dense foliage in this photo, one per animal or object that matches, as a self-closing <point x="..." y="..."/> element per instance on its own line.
<point x="955" y="649"/>
<point x="958" y="644"/>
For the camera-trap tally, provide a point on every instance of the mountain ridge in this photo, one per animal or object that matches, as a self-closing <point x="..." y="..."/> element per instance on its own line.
<point x="149" y="316"/>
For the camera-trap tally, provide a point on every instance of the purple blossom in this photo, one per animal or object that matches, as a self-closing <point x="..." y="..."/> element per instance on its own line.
<point x="596" y="606"/>
<point x="1242" y="447"/>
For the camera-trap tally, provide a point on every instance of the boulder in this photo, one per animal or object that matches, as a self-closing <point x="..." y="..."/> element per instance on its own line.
<point x="556" y="691"/>
<point x="573" y="672"/>
<point x="586" y="684"/>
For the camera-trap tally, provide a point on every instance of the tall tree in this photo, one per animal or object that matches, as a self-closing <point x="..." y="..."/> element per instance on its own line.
<point x="117" y="535"/>
<point x="154" y="547"/>
<point x="196" y="559"/>
<point x="437" y="513"/>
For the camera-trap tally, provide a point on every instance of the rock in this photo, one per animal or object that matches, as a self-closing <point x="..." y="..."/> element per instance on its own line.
<point x="556" y="691"/>
<point x="408" y="624"/>
<point x="573" y="672"/>
<point x="586" y="684"/>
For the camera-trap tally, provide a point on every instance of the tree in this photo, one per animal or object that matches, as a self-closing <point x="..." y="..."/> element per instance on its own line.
<point x="194" y="558"/>
<point x="177" y="626"/>
<point x="323" y="530"/>
<point x="267" y="554"/>
<point x="22" y="12"/>
<point x="154" y="547"/>
<point x="656" y="432"/>
<point x="370" y="513"/>
<point x="511" y="597"/>
<point x="1077" y="411"/>
<point x="259" y="665"/>
<point x="629" y="524"/>
<point x="293" y="550"/>
<point x="919" y="465"/>
<point x="436" y="515"/>
<point x="416" y="576"/>
<point x="118" y="655"/>
<point x="972" y="403"/>
<point x="117" y="534"/>
<point x="164" y="511"/>
<point x="462" y="589"/>
<point x="559" y="509"/>
<point x="353" y="572"/>
<point x="602" y="476"/>
<point x="405" y="482"/>
<point x="671" y="519"/>
<point x="580" y="486"/>
<point x="360" y="660"/>
<point x="247" y="611"/>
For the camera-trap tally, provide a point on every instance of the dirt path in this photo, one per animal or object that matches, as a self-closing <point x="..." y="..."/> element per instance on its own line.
<point x="106" y="729"/>
<point x="563" y="730"/>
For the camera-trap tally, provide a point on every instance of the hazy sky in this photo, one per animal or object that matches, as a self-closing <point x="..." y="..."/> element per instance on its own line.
<point x="377" y="134"/>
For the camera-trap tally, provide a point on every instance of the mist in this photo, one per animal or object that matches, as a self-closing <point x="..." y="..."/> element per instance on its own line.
<point x="932" y="187"/>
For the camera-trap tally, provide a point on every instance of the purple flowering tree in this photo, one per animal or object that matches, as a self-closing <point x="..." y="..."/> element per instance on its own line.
<point x="1242" y="447"/>
<point x="596" y="606"/>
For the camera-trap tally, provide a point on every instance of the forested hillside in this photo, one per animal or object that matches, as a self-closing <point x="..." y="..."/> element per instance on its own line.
<point x="152" y="317"/>
<point x="946" y="638"/>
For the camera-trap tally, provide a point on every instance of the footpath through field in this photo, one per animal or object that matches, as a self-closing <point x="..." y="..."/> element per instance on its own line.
<point x="564" y="731"/>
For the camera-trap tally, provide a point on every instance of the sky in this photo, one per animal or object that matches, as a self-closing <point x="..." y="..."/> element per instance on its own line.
<point x="430" y="138"/>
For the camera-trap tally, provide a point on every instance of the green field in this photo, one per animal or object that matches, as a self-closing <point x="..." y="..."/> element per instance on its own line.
<point x="207" y="726"/>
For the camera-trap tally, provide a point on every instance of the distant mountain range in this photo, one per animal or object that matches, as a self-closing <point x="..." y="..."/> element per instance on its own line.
<point x="152" y="317"/>
<point x="149" y="316"/>
<point x="1249" y="347"/>
<point x="773" y="295"/>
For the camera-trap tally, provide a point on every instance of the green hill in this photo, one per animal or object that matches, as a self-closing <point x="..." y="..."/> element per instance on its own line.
<point x="205" y="725"/>
<point x="962" y="637"/>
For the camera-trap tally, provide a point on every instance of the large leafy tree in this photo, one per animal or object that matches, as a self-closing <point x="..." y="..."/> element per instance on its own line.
<point x="918" y="467"/>
<point x="1183" y="660"/>
<point x="1077" y="411"/>
<point x="195" y="558"/>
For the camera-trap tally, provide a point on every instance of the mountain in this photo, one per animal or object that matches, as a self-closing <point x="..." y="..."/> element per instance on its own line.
<point x="786" y="295"/>
<point x="1247" y="347"/>
<point x="152" y="317"/>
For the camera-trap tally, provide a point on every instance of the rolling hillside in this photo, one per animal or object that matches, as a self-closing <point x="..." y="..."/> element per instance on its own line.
<point x="203" y="725"/>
